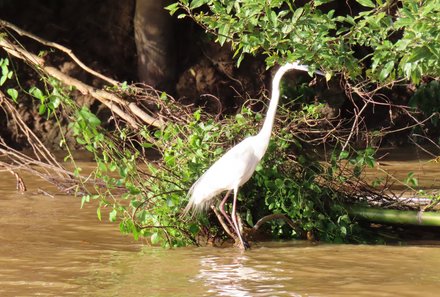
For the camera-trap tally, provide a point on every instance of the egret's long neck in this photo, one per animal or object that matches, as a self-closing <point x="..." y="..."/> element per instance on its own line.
<point x="265" y="132"/>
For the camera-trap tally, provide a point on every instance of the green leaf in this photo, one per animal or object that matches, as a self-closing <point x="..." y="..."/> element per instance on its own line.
<point x="98" y="213"/>
<point x="386" y="70"/>
<point x="76" y="171"/>
<point x="321" y="2"/>
<point x="42" y="109"/>
<point x="249" y="218"/>
<point x="155" y="238"/>
<point x="411" y="180"/>
<point x="197" y="115"/>
<point x="84" y="199"/>
<point x="223" y="32"/>
<point x="93" y="120"/>
<point x="37" y="93"/>
<point x="3" y="79"/>
<point x="146" y="145"/>
<point x="366" y="3"/>
<point x="297" y="14"/>
<point x="240" y="119"/>
<point x="112" y="215"/>
<point x="193" y="229"/>
<point x="13" y="93"/>
<point x="196" y="4"/>
<point x="80" y="140"/>
<point x="343" y="155"/>
<point x="172" y="8"/>
<point x="370" y="162"/>
<point x="273" y="18"/>
<point x="328" y="75"/>
<point x="343" y="230"/>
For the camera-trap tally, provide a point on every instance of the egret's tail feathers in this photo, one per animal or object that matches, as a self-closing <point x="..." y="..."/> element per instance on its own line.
<point x="192" y="208"/>
<point x="189" y="206"/>
<point x="187" y="211"/>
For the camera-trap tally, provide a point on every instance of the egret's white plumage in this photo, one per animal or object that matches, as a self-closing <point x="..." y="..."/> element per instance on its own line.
<point x="238" y="164"/>
<point x="231" y="171"/>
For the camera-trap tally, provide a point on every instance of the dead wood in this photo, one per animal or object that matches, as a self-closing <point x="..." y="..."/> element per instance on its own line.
<point x="129" y="112"/>
<point x="39" y="162"/>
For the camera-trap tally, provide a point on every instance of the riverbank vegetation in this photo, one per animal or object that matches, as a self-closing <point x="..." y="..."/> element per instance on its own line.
<point x="381" y="88"/>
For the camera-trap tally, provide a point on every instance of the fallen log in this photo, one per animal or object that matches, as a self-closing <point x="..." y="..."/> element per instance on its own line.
<point x="393" y="216"/>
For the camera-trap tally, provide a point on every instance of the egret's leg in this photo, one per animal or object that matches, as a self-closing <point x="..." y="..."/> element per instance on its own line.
<point x="222" y="209"/>
<point x="234" y="219"/>
<point x="231" y="232"/>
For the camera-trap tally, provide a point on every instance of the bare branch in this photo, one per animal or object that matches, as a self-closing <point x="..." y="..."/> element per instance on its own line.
<point x="275" y="216"/>
<point x="61" y="48"/>
<point x="108" y="99"/>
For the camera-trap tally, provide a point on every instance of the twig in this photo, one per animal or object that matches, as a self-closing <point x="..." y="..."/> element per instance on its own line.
<point x="43" y="192"/>
<point x="41" y="163"/>
<point x="275" y="216"/>
<point x="21" y="187"/>
<point x="355" y="125"/>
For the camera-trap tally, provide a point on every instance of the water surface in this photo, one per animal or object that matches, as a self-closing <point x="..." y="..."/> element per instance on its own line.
<point x="51" y="247"/>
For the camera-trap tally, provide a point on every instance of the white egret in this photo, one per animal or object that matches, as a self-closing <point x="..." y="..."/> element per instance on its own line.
<point x="238" y="164"/>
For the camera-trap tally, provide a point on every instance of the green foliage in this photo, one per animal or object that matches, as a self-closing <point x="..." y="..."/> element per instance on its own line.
<point x="402" y="41"/>
<point x="50" y="99"/>
<point x="418" y="49"/>
<point x="411" y="180"/>
<point x="280" y="184"/>
<point x="292" y="187"/>
<point x="7" y="75"/>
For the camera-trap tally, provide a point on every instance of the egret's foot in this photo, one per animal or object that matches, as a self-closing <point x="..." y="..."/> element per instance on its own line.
<point x="246" y="245"/>
<point x="242" y="243"/>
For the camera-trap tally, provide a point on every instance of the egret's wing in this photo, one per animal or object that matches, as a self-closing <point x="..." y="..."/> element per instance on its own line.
<point x="232" y="170"/>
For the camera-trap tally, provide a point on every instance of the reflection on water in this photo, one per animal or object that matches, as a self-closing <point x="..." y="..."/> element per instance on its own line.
<point x="49" y="247"/>
<point x="238" y="275"/>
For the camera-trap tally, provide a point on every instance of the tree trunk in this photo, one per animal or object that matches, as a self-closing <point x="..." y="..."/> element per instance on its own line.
<point x="153" y="27"/>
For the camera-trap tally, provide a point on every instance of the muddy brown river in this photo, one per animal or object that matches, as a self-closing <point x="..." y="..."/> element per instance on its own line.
<point x="51" y="247"/>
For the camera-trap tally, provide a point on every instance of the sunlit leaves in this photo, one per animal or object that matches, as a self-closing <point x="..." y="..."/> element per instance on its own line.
<point x="13" y="93"/>
<point x="172" y="8"/>
<point x="285" y="31"/>
<point x="366" y="3"/>
<point x="197" y="3"/>
<point x="411" y="180"/>
<point x="112" y="215"/>
<point x="386" y="70"/>
<point x="6" y="73"/>
<point x="223" y="33"/>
